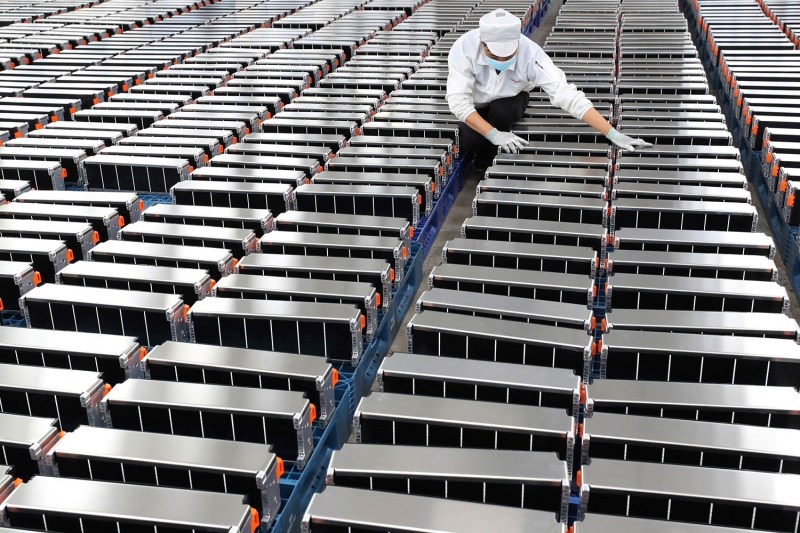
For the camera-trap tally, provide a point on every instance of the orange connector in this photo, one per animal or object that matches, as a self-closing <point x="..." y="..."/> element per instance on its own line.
<point x="255" y="521"/>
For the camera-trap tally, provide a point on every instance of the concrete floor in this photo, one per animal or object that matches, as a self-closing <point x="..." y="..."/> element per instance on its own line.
<point x="462" y="208"/>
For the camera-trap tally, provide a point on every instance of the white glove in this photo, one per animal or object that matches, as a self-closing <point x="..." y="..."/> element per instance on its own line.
<point x="507" y="141"/>
<point x="625" y="142"/>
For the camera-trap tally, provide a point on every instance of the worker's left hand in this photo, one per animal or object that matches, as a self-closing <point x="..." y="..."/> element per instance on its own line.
<point x="626" y="143"/>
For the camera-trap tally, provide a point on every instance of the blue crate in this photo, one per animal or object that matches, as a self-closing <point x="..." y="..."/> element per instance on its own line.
<point x="428" y="227"/>
<point x="297" y="487"/>
<point x="13" y="319"/>
<point x="153" y="199"/>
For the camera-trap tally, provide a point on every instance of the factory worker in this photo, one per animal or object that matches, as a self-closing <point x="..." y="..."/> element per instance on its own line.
<point x="491" y="71"/>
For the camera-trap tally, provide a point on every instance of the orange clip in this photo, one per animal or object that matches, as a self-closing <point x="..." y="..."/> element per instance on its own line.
<point x="205" y="159"/>
<point x="124" y="87"/>
<point x="593" y="323"/>
<point x="106" y="389"/>
<point x="603" y="325"/>
<point x="70" y="256"/>
<point x="37" y="126"/>
<point x="121" y="221"/>
<point x="191" y="169"/>
<point x="312" y="413"/>
<point x="363" y="322"/>
<point x="769" y="157"/>
<point x="72" y="110"/>
<point x="2" y="307"/>
<point x="391" y="274"/>
<point x="755" y="129"/>
<point x="578" y="478"/>
<point x="235" y="263"/>
<point x="334" y="377"/>
<point x="96" y="101"/>
<point x="280" y="468"/>
<point x="142" y="353"/>
<point x="790" y="200"/>
<point x="185" y="310"/>
<point x="775" y="170"/>
<point x="62" y="434"/>
<point x="782" y="186"/>
<point x="405" y="252"/>
<point x="17" y="482"/>
<point x="53" y="118"/>
<point x="17" y="134"/>
<point x="221" y="149"/>
<point x="419" y="199"/>
<point x="255" y="522"/>
<point x="95" y="237"/>
<point x="37" y="278"/>
<point x="410" y="232"/>
<point x="235" y="140"/>
<point x="64" y="173"/>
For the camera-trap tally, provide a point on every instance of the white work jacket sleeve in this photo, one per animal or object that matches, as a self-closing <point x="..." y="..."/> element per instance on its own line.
<point x="552" y="80"/>
<point x="460" y="83"/>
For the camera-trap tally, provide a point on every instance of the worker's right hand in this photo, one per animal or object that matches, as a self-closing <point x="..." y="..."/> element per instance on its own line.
<point x="507" y="141"/>
<point x="626" y="143"/>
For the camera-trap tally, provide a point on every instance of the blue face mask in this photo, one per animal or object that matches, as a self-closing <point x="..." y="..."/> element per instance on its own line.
<point x="501" y="65"/>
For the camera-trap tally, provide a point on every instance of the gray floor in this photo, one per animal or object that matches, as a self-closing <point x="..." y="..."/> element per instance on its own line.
<point x="462" y="208"/>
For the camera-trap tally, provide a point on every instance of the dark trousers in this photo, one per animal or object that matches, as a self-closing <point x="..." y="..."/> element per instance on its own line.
<point x="500" y="113"/>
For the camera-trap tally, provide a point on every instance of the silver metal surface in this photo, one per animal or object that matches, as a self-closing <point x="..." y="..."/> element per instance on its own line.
<point x="505" y="307"/>
<point x="619" y="436"/>
<point x="131" y="449"/>
<point x="415" y="417"/>
<point x="759" y="490"/>
<point x="128" y="503"/>
<point x="289" y="371"/>
<point x="734" y="403"/>
<point x="401" y="513"/>
<point x="281" y="412"/>
<point x="776" y="325"/>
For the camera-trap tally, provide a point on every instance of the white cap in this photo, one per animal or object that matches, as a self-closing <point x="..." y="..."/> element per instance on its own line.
<point x="500" y="30"/>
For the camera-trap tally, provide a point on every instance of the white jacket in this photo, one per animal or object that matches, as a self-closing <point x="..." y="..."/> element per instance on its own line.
<point x="472" y="82"/>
